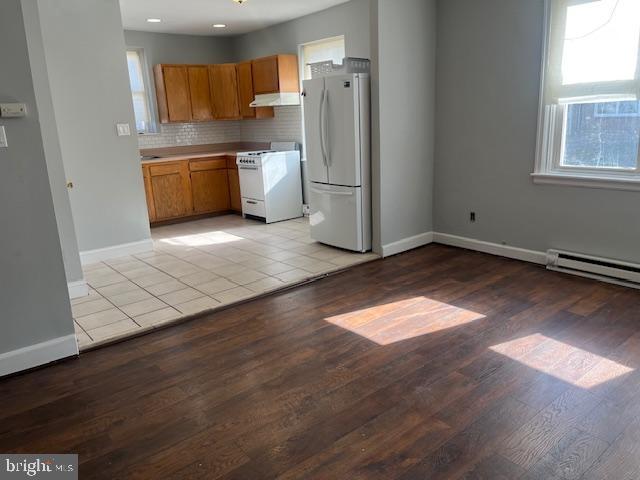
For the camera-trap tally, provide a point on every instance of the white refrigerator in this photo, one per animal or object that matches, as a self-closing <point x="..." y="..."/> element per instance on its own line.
<point x="337" y="123"/>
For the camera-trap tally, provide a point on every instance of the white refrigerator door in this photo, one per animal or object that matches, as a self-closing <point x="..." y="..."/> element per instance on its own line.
<point x="342" y="135"/>
<point x="314" y="95"/>
<point x="336" y="216"/>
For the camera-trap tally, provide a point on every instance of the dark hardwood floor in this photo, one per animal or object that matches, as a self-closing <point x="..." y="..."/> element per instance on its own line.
<point x="436" y="364"/>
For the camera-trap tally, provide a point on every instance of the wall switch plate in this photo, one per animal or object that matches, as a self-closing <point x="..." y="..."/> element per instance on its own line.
<point x="13" y="110"/>
<point x="123" y="129"/>
<point x="3" y="138"/>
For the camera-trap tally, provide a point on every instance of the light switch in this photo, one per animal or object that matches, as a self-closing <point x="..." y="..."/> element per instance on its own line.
<point x="123" y="129"/>
<point x="3" y="137"/>
<point x="12" y="110"/>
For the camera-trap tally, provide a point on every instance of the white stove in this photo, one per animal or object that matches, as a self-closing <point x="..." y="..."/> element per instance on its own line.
<point x="271" y="183"/>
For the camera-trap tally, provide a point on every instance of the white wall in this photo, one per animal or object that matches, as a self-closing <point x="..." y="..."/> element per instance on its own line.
<point x="85" y="52"/>
<point x="33" y="293"/>
<point x="489" y="57"/>
<point x="404" y="87"/>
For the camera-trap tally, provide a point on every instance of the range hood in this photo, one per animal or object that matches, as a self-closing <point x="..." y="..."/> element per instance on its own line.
<point x="276" y="100"/>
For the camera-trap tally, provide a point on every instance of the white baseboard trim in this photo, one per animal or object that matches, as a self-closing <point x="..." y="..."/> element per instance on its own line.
<point x="38" y="354"/>
<point x="94" y="256"/>
<point x="407" y="244"/>
<point x="78" y="289"/>
<point x="491" y="248"/>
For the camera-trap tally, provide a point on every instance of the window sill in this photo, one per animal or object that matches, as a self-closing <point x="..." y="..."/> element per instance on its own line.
<point x="591" y="181"/>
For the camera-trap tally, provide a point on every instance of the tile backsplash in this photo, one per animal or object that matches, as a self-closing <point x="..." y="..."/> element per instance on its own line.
<point x="286" y="126"/>
<point x="178" y="134"/>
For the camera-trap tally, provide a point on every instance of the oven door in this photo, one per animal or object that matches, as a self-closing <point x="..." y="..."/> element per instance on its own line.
<point x="251" y="182"/>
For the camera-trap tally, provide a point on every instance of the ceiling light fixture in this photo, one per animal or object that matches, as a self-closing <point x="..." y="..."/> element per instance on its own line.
<point x="219" y="25"/>
<point x="154" y="20"/>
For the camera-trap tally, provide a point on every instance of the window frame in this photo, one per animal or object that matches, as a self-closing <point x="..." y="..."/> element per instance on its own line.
<point x="552" y="120"/>
<point x="152" y="127"/>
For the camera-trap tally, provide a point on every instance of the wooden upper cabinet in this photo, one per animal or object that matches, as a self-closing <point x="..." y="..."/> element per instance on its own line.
<point x="278" y="73"/>
<point x="245" y="90"/>
<point x="172" y="87"/>
<point x="224" y="91"/>
<point x="200" y="93"/>
<point x="246" y="94"/>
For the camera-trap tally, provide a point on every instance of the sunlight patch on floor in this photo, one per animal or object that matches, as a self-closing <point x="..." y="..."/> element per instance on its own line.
<point x="202" y="239"/>
<point x="405" y="319"/>
<point x="562" y="360"/>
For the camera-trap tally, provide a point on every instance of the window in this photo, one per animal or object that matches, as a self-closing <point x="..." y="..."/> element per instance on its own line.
<point x="320" y="51"/>
<point x="590" y="107"/>
<point x="139" y="91"/>
<point x="617" y="109"/>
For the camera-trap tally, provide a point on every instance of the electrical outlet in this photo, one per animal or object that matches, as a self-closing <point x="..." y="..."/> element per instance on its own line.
<point x="305" y="209"/>
<point x="472" y="217"/>
<point x="123" y="129"/>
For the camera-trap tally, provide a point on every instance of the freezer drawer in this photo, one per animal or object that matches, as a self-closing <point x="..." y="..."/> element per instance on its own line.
<point x="336" y="216"/>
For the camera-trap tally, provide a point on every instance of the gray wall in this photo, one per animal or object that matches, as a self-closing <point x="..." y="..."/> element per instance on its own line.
<point x="350" y="19"/>
<point x="33" y="293"/>
<point x="489" y="56"/>
<point x="192" y="49"/>
<point x="405" y="87"/>
<point x="170" y="48"/>
<point x="85" y="51"/>
<point x="53" y="154"/>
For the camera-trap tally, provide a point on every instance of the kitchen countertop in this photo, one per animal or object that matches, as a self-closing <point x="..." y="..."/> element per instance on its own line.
<point x="188" y="152"/>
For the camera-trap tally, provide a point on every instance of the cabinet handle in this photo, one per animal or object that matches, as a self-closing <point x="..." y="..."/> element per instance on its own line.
<point x="252" y="202"/>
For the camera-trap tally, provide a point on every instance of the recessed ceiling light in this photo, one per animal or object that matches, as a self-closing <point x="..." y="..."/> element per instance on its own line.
<point x="219" y="25"/>
<point x="154" y="20"/>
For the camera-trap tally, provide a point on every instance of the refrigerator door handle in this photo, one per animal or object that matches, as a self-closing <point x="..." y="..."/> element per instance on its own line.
<point x="325" y="129"/>
<point x="331" y="192"/>
<point x="321" y="122"/>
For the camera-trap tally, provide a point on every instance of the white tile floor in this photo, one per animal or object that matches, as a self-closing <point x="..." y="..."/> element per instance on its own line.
<point x="196" y="267"/>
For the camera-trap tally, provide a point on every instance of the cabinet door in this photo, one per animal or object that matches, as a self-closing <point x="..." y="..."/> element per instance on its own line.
<point x="234" y="190"/>
<point x="265" y="75"/>
<point x="171" y="190"/>
<point x="245" y="90"/>
<point x="148" y="193"/>
<point x="176" y="84"/>
<point x="200" y="93"/>
<point x="246" y="95"/>
<point x="224" y="91"/>
<point x="210" y="191"/>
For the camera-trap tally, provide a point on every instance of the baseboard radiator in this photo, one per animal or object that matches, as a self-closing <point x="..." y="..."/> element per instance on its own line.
<point x="606" y="270"/>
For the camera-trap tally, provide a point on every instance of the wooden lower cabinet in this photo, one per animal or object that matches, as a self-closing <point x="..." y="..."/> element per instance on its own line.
<point x="210" y="186"/>
<point x="234" y="190"/>
<point x="188" y="188"/>
<point x="151" y="208"/>
<point x="171" y="190"/>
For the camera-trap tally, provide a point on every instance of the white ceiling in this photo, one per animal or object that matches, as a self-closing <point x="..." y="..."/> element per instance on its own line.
<point x="196" y="17"/>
